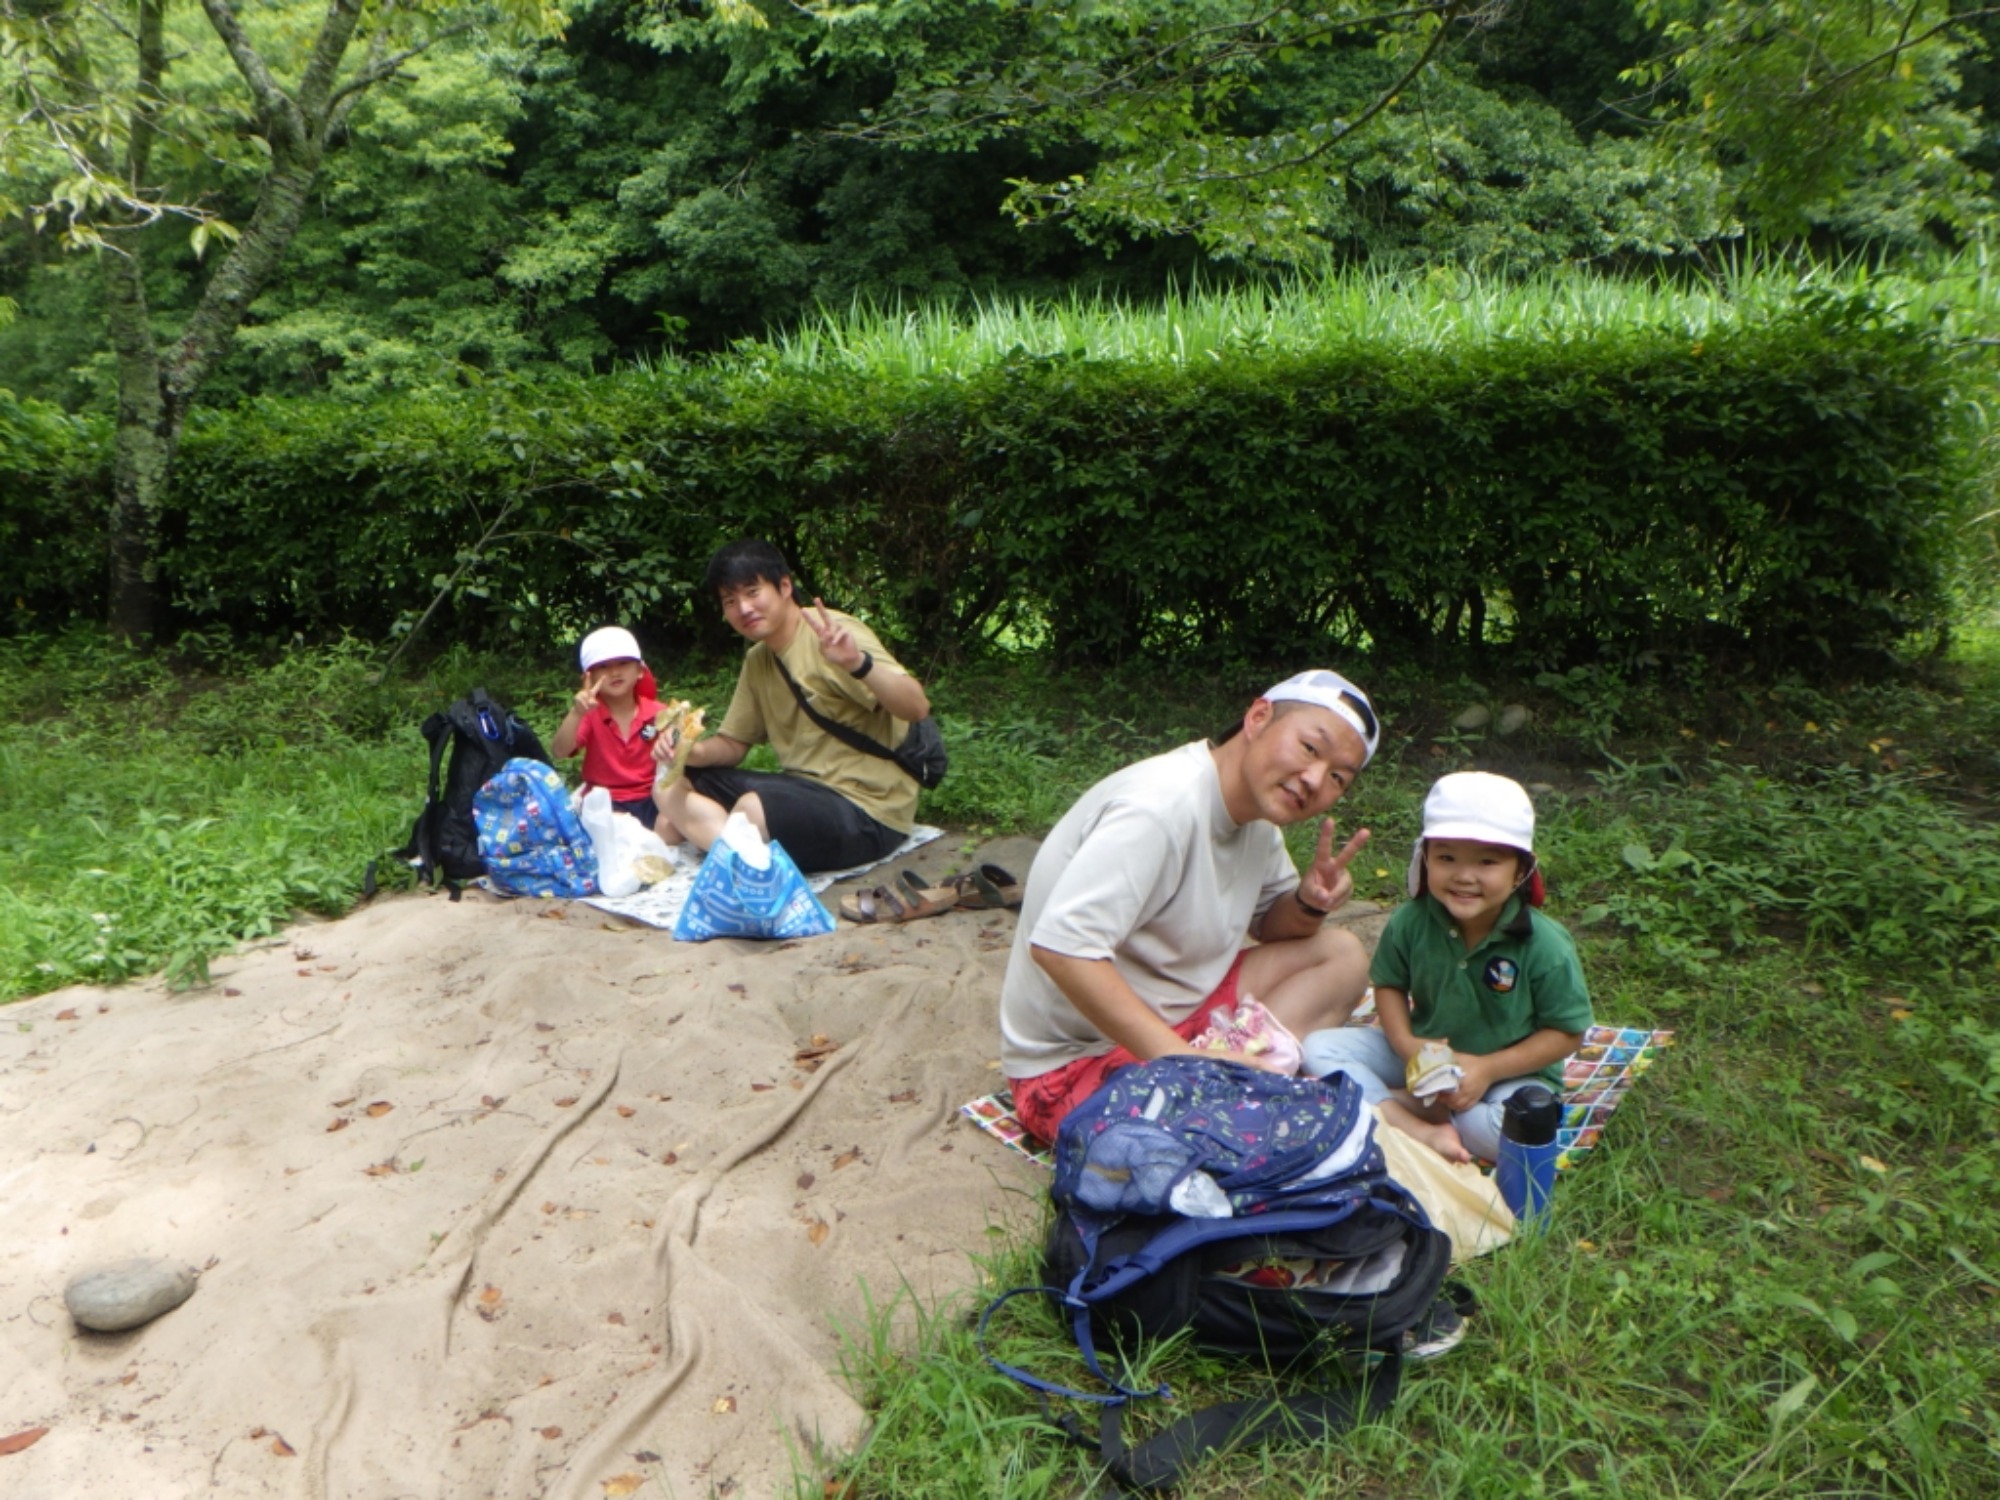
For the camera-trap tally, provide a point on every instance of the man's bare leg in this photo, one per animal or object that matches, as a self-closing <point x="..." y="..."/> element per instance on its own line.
<point x="699" y="819"/>
<point x="1440" y="1136"/>
<point x="1308" y="983"/>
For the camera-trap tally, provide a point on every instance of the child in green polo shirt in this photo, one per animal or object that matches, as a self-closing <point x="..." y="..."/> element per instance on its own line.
<point x="1471" y="963"/>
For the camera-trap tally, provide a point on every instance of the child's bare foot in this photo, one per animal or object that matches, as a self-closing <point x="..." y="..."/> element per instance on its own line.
<point x="1441" y="1137"/>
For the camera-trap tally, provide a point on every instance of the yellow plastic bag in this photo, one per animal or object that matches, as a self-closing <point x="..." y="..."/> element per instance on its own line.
<point x="1461" y="1200"/>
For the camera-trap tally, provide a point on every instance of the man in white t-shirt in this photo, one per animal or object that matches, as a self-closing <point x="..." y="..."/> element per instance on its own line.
<point x="1140" y="902"/>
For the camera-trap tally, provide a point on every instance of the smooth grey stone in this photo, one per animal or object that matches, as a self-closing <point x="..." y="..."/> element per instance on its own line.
<point x="1514" y="718"/>
<point x="1476" y="717"/>
<point x="1541" y="788"/>
<point x="127" y="1293"/>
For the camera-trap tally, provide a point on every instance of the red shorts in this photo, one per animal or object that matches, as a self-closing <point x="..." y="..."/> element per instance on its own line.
<point x="1041" y="1102"/>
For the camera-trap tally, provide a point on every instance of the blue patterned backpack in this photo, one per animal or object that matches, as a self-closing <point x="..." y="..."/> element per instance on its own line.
<point x="1252" y="1212"/>
<point x="530" y="837"/>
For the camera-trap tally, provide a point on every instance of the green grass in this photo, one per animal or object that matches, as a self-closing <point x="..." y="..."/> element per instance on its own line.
<point x="1779" y="1277"/>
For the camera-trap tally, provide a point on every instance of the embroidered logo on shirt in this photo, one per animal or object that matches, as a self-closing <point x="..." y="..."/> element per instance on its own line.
<point x="1501" y="974"/>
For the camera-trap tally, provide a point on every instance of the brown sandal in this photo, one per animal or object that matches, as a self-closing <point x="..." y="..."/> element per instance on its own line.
<point x="988" y="888"/>
<point x="887" y="904"/>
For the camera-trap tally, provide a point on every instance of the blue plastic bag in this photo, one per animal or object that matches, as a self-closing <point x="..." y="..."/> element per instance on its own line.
<point x="529" y="837"/>
<point x="747" y="888"/>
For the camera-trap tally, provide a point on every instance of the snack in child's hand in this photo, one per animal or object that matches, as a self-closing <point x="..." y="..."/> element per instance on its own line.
<point x="1255" y="1032"/>
<point x="681" y="718"/>
<point x="1433" y="1070"/>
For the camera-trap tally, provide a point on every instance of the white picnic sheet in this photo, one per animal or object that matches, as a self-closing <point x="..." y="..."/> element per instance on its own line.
<point x="659" y="904"/>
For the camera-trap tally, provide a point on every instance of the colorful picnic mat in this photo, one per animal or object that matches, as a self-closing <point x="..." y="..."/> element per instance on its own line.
<point x="1596" y="1079"/>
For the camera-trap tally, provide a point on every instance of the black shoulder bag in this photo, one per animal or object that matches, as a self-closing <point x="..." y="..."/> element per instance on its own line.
<point x="921" y="756"/>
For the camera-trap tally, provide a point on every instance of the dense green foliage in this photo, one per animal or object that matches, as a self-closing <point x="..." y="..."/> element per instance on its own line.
<point x="652" y="180"/>
<point x="1779" y="485"/>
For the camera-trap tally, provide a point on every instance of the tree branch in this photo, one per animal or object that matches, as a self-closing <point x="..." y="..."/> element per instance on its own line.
<point x="272" y="101"/>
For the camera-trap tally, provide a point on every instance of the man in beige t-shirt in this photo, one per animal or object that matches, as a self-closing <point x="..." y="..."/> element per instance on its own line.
<point x="832" y="806"/>
<point x="1143" y="897"/>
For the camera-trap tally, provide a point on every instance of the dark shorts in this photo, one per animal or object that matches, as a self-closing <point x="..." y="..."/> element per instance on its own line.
<point x="819" y="828"/>
<point x="643" y="809"/>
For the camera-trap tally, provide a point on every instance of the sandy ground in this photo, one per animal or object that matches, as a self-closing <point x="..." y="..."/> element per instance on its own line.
<point x="507" y="1199"/>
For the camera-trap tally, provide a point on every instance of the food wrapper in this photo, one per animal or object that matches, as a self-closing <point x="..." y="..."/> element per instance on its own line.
<point x="1255" y="1032"/>
<point x="683" y="719"/>
<point x="1433" y="1070"/>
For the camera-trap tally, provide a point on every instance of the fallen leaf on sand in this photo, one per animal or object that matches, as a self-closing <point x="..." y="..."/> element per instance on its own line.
<point x="847" y="1158"/>
<point x="487" y="1101"/>
<point x="258" y="1432"/>
<point x="724" y="1405"/>
<point x="283" y="1449"/>
<point x="490" y="1295"/>
<point x="645" y="1456"/>
<point x="382" y="1168"/>
<point x="548" y="1208"/>
<point x="231" y="993"/>
<point x="342" y="1103"/>
<point x="552" y="1433"/>
<point x="908" y="1096"/>
<point x="66" y="1015"/>
<point x="762" y="1088"/>
<point x="22" y="1440"/>
<point x="616" y="1319"/>
<point x="379" y="1108"/>
<point x="670" y="1158"/>
<point x="817" y="1231"/>
<point x="622" y="1484"/>
<point x="543" y="1026"/>
<point x="626" y="1111"/>
<point x="806" y="1180"/>
<point x="737" y="989"/>
<point x="338" y="1124"/>
<point x="565" y="1103"/>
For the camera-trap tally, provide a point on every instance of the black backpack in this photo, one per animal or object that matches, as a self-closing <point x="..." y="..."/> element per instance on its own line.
<point x="482" y="735"/>
<point x="1120" y="1271"/>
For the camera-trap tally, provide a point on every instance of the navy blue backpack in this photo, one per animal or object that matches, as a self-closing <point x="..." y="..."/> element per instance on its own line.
<point x="1251" y="1211"/>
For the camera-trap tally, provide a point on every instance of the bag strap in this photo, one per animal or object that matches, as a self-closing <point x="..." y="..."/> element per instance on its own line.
<point x="1164" y="1459"/>
<point x="853" y="738"/>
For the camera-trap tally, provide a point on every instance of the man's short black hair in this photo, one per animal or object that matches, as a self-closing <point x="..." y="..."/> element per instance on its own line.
<point x="740" y="564"/>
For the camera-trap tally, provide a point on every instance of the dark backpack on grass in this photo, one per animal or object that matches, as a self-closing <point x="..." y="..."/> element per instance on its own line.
<point x="482" y="735"/>
<point x="1200" y="1197"/>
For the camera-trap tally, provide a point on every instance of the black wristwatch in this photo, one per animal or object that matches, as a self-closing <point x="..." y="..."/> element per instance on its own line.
<point x="1322" y="912"/>
<point x="867" y="665"/>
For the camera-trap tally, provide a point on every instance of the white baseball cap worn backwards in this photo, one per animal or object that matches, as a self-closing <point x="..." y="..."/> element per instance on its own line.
<point x="1475" y="805"/>
<point x="1341" y="698"/>
<point x="612" y="643"/>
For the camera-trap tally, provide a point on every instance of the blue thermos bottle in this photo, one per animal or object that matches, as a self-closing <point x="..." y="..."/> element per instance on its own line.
<point x="1526" y="1170"/>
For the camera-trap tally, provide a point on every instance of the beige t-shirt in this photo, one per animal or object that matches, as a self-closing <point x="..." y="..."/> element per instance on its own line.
<point x="763" y="708"/>
<point x="1151" y="872"/>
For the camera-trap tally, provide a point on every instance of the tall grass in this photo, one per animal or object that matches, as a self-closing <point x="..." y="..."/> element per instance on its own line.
<point x="1434" y="309"/>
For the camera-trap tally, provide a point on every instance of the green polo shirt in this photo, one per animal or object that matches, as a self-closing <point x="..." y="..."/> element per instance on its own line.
<point x="1524" y="977"/>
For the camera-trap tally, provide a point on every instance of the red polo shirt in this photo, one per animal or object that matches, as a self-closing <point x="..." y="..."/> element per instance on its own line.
<point x="621" y="764"/>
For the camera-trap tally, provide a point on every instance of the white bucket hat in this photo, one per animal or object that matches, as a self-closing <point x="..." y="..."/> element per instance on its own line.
<point x="1341" y="698"/>
<point x="612" y="643"/>
<point x="1475" y="805"/>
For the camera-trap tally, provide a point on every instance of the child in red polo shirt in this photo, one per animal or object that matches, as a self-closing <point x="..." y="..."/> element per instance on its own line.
<point x="616" y="721"/>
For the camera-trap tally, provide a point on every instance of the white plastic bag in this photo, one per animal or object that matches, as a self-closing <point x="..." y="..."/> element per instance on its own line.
<point x="621" y="841"/>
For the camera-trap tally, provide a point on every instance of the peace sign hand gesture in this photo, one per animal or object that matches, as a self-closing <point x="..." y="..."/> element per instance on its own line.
<point x="586" y="696"/>
<point x="835" y="639"/>
<point x="1327" y="885"/>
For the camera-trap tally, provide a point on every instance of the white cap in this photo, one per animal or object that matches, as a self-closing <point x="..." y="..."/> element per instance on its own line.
<point x="612" y="643"/>
<point x="1331" y="691"/>
<point x="1475" y="805"/>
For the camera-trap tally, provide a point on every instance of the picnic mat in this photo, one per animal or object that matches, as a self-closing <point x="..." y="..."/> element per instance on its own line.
<point x="657" y="905"/>
<point x="499" y="1198"/>
<point x="1596" y="1079"/>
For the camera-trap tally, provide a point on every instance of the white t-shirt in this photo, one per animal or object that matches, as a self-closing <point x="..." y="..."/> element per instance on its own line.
<point x="1151" y="872"/>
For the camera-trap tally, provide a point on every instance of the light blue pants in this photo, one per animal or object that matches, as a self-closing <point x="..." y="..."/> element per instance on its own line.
<point x="1363" y="1053"/>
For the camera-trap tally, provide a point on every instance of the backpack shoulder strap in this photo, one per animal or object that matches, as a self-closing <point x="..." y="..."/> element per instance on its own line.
<point x="1163" y="1460"/>
<point x="853" y="738"/>
<point x="437" y="729"/>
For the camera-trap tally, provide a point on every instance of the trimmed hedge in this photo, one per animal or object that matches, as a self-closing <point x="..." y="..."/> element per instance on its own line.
<point x="1781" y="490"/>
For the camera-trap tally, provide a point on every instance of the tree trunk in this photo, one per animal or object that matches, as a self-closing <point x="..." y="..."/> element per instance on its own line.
<point x="143" y="452"/>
